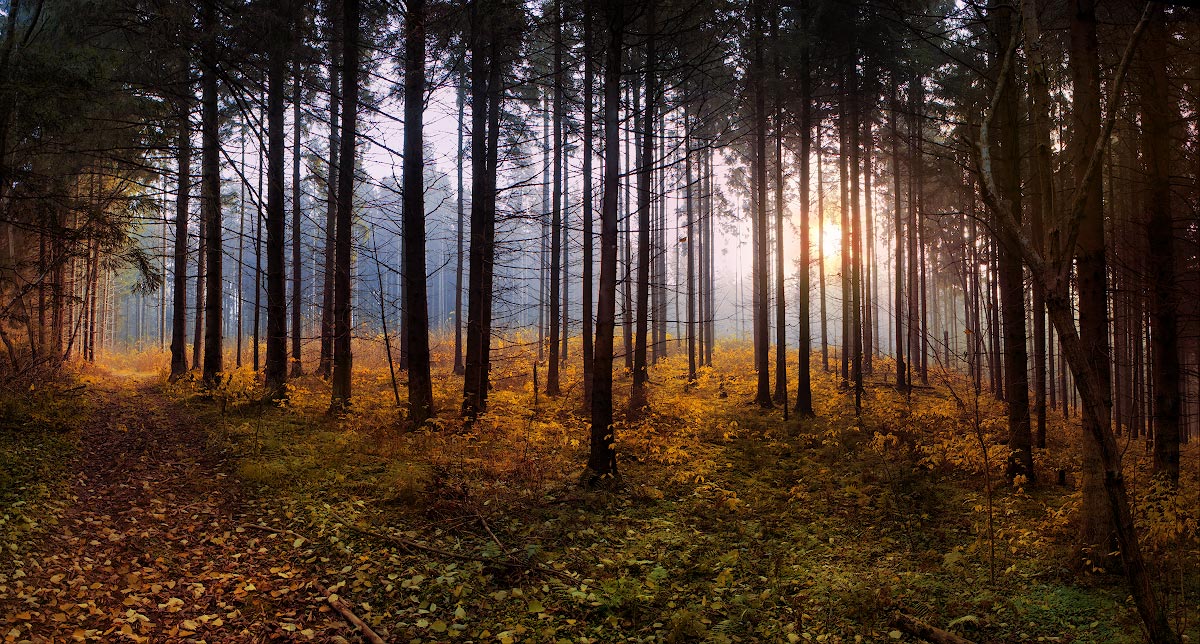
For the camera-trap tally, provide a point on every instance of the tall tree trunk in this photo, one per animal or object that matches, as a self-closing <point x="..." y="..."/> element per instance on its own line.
<point x="690" y="242"/>
<point x="804" y="407"/>
<point x="275" y="367"/>
<point x="898" y="214"/>
<point x="210" y="193"/>
<point x="297" y="368"/>
<point x="637" y="398"/>
<point x="762" y="340"/>
<point x="588" y="117"/>
<point x="1042" y="170"/>
<point x="602" y="457"/>
<point x="556" y="214"/>
<point x="179" y="363"/>
<point x="458" y="229"/>
<point x="1007" y="170"/>
<point x="1158" y="114"/>
<point x="325" y="362"/>
<point x="1097" y="526"/>
<point x="342" y="356"/>
<point x="821" y="253"/>
<point x="856" y="243"/>
<point x="416" y="302"/>
<point x="780" y="395"/>
<point x="485" y="106"/>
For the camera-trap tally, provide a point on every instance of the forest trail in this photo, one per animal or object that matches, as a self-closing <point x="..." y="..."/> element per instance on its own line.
<point x="155" y="543"/>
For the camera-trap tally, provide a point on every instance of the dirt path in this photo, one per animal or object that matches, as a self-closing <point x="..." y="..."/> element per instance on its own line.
<point x="156" y="544"/>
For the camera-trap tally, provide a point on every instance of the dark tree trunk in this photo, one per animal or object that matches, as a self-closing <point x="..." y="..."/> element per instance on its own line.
<point x="275" y="365"/>
<point x="297" y="369"/>
<point x="325" y="363"/>
<point x="179" y="363"/>
<point x="1158" y="114"/>
<point x="1007" y="170"/>
<point x="602" y="457"/>
<point x="637" y="398"/>
<point x="762" y="339"/>
<point x="210" y="194"/>
<point x="458" y="260"/>
<point x="416" y="303"/>
<point x="1042" y="206"/>
<point x="588" y="277"/>
<point x="485" y="108"/>
<point x="556" y="214"/>
<point x="898" y="214"/>
<point x="804" y="406"/>
<point x="1096" y="526"/>
<point x="342" y="356"/>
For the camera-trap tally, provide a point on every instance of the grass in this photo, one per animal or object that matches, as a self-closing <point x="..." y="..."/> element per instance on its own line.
<point x="732" y="525"/>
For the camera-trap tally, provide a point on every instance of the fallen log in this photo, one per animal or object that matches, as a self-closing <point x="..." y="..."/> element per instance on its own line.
<point x="927" y="632"/>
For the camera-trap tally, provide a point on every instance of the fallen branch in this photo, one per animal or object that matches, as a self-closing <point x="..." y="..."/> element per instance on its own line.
<point x="508" y="561"/>
<point x="343" y="608"/>
<point x="921" y="630"/>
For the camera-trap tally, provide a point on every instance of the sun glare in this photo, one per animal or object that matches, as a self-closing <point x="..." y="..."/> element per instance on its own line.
<point x="832" y="236"/>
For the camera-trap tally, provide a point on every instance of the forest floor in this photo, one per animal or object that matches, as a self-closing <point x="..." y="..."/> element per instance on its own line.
<point x="133" y="510"/>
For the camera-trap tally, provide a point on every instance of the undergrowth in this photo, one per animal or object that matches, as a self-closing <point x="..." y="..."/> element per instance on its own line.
<point x="731" y="525"/>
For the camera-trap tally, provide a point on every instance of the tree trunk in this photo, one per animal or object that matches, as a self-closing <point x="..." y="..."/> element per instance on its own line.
<point x="275" y="366"/>
<point x="325" y="363"/>
<point x="898" y="214"/>
<point x="602" y="457"/>
<point x="1158" y="115"/>
<point x="588" y="112"/>
<point x="556" y="213"/>
<point x="179" y="363"/>
<point x="210" y="194"/>
<point x="342" y="356"/>
<point x="459" y="369"/>
<point x="1007" y="170"/>
<point x="637" y="398"/>
<point x="297" y="369"/>
<point x="762" y="339"/>
<point x="416" y="302"/>
<point x="804" y="407"/>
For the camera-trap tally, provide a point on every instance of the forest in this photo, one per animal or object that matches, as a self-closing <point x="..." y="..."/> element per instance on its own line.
<point x="599" y="320"/>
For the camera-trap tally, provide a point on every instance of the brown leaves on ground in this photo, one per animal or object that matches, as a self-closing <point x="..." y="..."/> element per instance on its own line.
<point x="152" y="545"/>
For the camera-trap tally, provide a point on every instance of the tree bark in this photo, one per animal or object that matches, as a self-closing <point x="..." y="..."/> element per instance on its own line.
<point x="210" y="194"/>
<point x="275" y="366"/>
<point x="602" y="457"/>
<point x="416" y="301"/>
<point x="342" y="355"/>
<point x="179" y="363"/>
<point x="1158" y="114"/>
<point x="637" y="398"/>
<point x="804" y="406"/>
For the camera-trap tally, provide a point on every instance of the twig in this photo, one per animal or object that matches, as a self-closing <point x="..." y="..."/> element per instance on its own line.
<point x="343" y="608"/>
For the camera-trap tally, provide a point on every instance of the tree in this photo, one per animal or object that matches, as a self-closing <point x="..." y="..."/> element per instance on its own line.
<point x="602" y="457"/>
<point x="762" y="340"/>
<point x="210" y="193"/>
<point x="179" y="363"/>
<point x="279" y="49"/>
<point x="342" y="356"/>
<point x="645" y="166"/>
<point x="416" y="302"/>
<point x="1007" y="169"/>
<point x="804" y="406"/>
<point x="1158" y="113"/>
